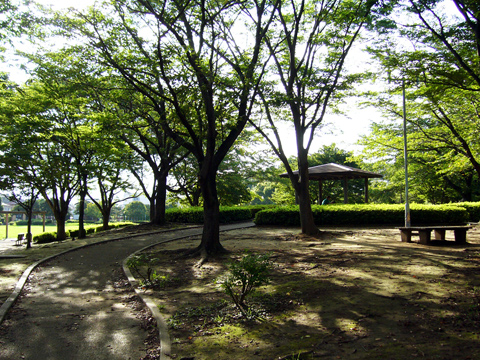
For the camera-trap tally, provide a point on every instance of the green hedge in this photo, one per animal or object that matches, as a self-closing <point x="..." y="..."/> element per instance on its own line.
<point x="34" y="222"/>
<point x="473" y="209"/>
<point x="194" y="215"/>
<point x="45" y="238"/>
<point x="366" y="214"/>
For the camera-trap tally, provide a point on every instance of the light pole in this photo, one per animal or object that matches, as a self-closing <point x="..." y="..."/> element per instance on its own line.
<point x="407" y="206"/>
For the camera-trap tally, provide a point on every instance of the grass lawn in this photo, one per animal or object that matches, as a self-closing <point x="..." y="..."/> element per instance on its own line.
<point x="13" y="230"/>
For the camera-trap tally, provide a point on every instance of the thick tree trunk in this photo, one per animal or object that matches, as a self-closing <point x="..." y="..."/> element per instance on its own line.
<point x="210" y="244"/>
<point x="157" y="216"/>
<point x="106" y="218"/>
<point x="60" y="218"/>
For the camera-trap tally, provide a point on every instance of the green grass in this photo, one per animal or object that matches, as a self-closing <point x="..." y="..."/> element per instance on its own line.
<point x="14" y="230"/>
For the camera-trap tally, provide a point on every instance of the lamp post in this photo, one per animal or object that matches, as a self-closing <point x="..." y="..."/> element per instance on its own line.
<point x="407" y="205"/>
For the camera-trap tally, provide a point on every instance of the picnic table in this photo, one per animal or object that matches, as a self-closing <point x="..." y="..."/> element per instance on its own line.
<point x="425" y="233"/>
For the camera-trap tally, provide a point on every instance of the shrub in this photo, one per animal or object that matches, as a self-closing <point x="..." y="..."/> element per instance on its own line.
<point x="34" y="222"/>
<point x="195" y="215"/>
<point x="366" y="214"/>
<point x="244" y="277"/>
<point x="45" y="238"/>
<point x="473" y="209"/>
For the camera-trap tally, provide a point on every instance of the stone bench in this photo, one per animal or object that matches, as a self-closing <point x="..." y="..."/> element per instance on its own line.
<point x="425" y="233"/>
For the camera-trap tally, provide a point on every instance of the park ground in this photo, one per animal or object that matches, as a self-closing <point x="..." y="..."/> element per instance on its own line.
<point x="347" y="294"/>
<point x="350" y="293"/>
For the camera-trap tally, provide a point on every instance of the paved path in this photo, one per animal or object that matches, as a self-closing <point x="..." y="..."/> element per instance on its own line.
<point x="79" y="306"/>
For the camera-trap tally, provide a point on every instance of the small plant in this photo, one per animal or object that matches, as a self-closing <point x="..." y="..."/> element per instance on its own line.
<point x="137" y="263"/>
<point x="244" y="277"/>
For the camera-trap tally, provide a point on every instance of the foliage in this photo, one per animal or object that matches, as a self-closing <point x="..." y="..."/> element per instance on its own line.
<point x="194" y="215"/>
<point x="437" y="64"/>
<point x="45" y="238"/>
<point x="308" y="79"/>
<point x="142" y="264"/>
<point x="244" y="277"/>
<point x="473" y="209"/>
<point x="366" y="214"/>
<point x="135" y="210"/>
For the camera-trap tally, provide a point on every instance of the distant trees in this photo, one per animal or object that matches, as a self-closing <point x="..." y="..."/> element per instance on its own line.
<point x="135" y="211"/>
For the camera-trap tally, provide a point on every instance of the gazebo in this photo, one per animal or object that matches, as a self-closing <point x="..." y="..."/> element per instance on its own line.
<point x="337" y="172"/>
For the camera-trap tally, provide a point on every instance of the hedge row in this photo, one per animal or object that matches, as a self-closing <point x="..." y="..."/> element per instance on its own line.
<point x="366" y="214"/>
<point x="194" y="215"/>
<point x="473" y="209"/>
<point x="52" y="236"/>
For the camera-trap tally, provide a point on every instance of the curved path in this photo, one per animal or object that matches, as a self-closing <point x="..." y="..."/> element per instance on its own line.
<point x="79" y="305"/>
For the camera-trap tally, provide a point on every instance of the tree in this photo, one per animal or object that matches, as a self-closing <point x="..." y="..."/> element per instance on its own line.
<point x="141" y="130"/>
<point x="194" y="73"/>
<point x="92" y="212"/>
<point x="30" y="153"/>
<point x="308" y="46"/>
<point x="438" y="66"/>
<point x="135" y="211"/>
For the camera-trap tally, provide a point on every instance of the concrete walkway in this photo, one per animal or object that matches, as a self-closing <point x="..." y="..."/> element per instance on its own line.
<point x="80" y="305"/>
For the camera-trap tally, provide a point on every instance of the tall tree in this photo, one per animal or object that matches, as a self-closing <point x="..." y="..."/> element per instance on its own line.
<point x="29" y="147"/>
<point x="309" y="46"/>
<point x="187" y="60"/>
<point x="439" y="66"/>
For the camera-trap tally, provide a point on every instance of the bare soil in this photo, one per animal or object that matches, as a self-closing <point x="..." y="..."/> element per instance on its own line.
<point x="346" y="294"/>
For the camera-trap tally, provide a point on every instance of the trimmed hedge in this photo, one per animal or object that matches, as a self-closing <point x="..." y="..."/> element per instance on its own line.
<point x="34" y="222"/>
<point x="194" y="215"/>
<point x="45" y="238"/>
<point x="366" y="214"/>
<point x="473" y="209"/>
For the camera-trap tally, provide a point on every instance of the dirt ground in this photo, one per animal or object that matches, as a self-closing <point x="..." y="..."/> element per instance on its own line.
<point x="347" y="294"/>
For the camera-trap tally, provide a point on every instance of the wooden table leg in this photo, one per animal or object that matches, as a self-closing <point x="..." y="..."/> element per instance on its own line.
<point x="460" y="236"/>
<point x="425" y="236"/>
<point x="406" y="235"/>
<point x="439" y="234"/>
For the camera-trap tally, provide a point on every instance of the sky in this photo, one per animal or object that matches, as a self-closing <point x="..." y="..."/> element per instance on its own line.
<point x="343" y="130"/>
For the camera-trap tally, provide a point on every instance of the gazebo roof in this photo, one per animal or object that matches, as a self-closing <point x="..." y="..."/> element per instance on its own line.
<point x="335" y="172"/>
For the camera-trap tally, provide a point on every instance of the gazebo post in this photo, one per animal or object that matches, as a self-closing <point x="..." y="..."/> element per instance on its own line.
<point x="366" y="190"/>
<point x="345" y="190"/>
<point x="320" y="191"/>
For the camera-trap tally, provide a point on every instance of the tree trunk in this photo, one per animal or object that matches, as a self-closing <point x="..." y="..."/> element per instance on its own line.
<point x="29" y="228"/>
<point x="106" y="217"/>
<point x="210" y="244"/>
<point x="81" y="209"/>
<point x="60" y="218"/>
<point x="303" y="192"/>
<point x="158" y="212"/>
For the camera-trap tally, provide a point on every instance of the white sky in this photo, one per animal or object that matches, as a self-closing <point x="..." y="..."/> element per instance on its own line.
<point x="344" y="131"/>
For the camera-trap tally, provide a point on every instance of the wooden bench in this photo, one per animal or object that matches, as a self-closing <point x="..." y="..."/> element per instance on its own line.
<point x="425" y="233"/>
<point x="20" y="239"/>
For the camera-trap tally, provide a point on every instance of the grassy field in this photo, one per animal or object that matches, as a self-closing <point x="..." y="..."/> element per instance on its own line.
<point x="13" y="230"/>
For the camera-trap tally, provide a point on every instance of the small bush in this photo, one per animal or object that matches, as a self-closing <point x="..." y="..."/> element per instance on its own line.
<point x="45" y="238"/>
<point x="244" y="277"/>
